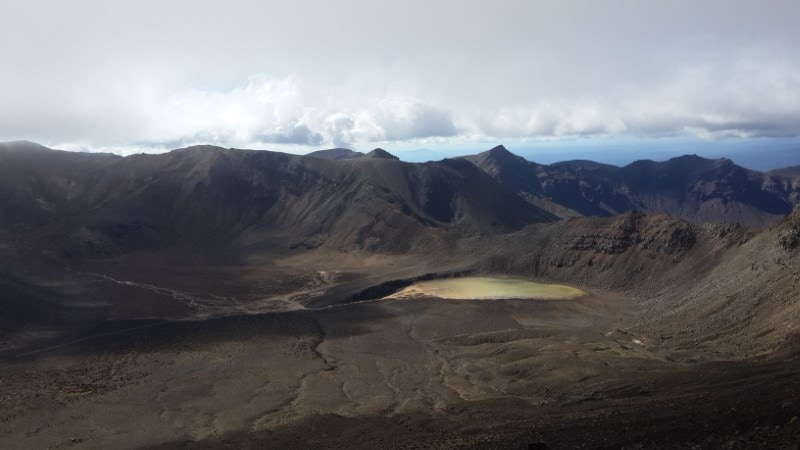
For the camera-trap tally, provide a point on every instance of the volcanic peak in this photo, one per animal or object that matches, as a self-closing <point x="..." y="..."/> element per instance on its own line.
<point x="380" y="153"/>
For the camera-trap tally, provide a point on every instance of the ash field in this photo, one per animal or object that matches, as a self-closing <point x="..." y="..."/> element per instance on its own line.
<point x="220" y="298"/>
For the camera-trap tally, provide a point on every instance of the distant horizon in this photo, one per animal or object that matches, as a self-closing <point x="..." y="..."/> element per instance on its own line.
<point x="761" y="155"/>
<point x="550" y="80"/>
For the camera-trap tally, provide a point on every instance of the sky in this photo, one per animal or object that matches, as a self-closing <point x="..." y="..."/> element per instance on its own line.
<point x="418" y="78"/>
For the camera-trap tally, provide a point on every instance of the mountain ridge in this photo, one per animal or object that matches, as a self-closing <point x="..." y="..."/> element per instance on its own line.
<point x="103" y="205"/>
<point x="689" y="187"/>
<point x="116" y="205"/>
<point x="122" y="277"/>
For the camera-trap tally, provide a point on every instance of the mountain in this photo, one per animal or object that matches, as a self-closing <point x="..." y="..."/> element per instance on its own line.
<point x="336" y="154"/>
<point x="380" y="153"/>
<point x="688" y="187"/>
<point x="228" y="297"/>
<point x="102" y="205"/>
<point x="344" y="153"/>
<point x="95" y="205"/>
<point x="701" y="286"/>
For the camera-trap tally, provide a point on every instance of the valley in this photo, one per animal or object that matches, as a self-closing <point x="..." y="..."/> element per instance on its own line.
<point x="214" y="298"/>
<point x="394" y="373"/>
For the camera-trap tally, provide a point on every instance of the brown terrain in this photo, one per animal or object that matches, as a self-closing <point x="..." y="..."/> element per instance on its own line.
<point x="218" y="298"/>
<point x="690" y="187"/>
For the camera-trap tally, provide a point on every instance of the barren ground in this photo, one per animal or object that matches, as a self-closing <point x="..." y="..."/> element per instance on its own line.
<point x="421" y="372"/>
<point x="695" y="347"/>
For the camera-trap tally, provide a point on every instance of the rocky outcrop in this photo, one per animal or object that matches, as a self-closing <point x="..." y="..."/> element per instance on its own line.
<point x="659" y="234"/>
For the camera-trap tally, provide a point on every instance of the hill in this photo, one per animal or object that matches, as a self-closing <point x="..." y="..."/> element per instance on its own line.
<point x="688" y="187"/>
<point x="92" y="205"/>
<point x="229" y="297"/>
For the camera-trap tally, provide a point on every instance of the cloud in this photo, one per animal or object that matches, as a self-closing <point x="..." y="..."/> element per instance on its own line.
<point x="737" y="99"/>
<point x="553" y="119"/>
<point x="271" y="74"/>
<point x="290" y="111"/>
<point x="299" y="134"/>
<point x="403" y="118"/>
<point x="745" y="98"/>
<point x="711" y="101"/>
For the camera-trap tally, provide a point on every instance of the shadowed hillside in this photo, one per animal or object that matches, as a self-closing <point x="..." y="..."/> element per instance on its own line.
<point x="235" y="298"/>
<point x="688" y="187"/>
<point x="89" y="205"/>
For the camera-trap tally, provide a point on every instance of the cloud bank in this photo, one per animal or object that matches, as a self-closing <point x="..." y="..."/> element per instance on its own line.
<point x="262" y="74"/>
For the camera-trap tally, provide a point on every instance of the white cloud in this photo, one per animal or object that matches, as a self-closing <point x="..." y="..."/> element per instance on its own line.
<point x="745" y="98"/>
<point x="740" y="99"/>
<point x="290" y="111"/>
<point x="272" y="74"/>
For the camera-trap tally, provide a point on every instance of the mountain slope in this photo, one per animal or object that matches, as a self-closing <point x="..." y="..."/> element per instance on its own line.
<point x="723" y="290"/>
<point x="98" y="205"/>
<point x="336" y="154"/>
<point x="689" y="187"/>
